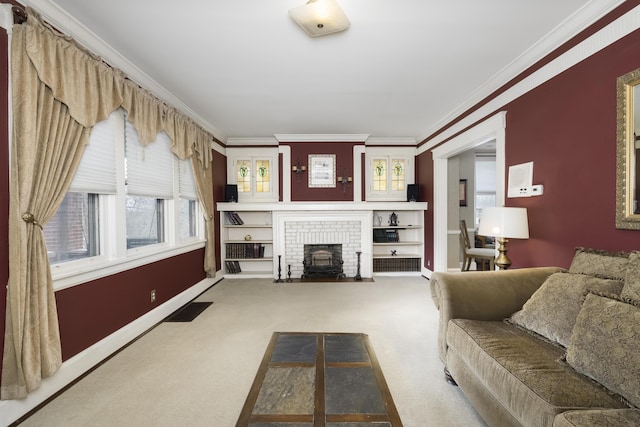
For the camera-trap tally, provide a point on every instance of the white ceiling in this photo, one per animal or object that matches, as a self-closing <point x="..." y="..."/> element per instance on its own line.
<point x="244" y="69"/>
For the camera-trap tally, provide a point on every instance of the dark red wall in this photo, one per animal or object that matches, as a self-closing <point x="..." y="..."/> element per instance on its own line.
<point x="4" y="182"/>
<point x="300" y="191"/>
<point x="567" y="127"/>
<point x="90" y="312"/>
<point x="424" y="178"/>
<point x="219" y="181"/>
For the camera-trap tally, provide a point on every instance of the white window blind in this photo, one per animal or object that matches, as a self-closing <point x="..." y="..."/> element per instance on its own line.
<point x="187" y="184"/>
<point x="149" y="170"/>
<point x="97" y="170"/>
<point x="486" y="174"/>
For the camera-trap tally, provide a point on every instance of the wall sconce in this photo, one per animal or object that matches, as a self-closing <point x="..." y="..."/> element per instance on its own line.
<point x="298" y="169"/>
<point x="345" y="181"/>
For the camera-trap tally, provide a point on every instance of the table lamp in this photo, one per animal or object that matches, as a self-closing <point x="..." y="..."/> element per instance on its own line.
<point x="504" y="223"/>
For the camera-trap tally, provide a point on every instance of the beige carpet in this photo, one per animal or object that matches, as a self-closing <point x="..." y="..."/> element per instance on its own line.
<point x="199" y="373"/>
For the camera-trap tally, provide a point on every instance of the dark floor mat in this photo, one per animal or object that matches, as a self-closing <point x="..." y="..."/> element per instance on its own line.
<point x="189" y="312"/>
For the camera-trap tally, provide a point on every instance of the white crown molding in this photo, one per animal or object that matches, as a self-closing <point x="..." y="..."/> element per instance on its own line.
<point x="391" y="141"/>
<point x="6" y="17"/>
<point x="598" y="41"/>
<point x="64" y="22"/>
<point x="239" y="142"/>
<point x="328" y="137"/>
<point x="584" y="17"/>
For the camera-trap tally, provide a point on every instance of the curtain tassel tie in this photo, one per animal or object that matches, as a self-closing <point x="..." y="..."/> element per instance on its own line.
<point x="30" y="219"/>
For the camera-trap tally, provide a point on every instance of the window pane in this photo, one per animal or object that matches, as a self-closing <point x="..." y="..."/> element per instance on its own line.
<point x="263" y="177"/>
<point x="398" y="175"/>
<point x="379" y="175"/>
<point x="243" y="169"/>
<point x="187" y="218"/>
<point x="72" y="233"/>
<point x="145" y="219"/>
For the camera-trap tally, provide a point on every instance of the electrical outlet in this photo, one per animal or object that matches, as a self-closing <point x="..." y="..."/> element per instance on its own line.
<point x="153" y="295"/>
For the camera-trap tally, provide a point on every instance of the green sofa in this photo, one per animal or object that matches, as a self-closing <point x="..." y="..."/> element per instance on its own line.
<point x="545" y="346"/>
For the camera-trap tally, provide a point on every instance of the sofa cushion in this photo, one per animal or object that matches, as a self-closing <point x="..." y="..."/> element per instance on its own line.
<point x="631" y="287"/>
<point x="599" y="418"/>
<point x="552" y="309"/>
<point x="605" y="345"/>
<point x="526" y="374"/>
<point x="594" y="262"/>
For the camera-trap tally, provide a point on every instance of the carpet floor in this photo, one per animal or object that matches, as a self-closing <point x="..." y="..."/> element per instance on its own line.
<point x="199" y="373"/>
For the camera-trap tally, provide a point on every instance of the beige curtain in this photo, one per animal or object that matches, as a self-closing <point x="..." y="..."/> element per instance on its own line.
<point x="199" y="150"/>
<point x="46" y="150"/>
<point x="59" y="92"/>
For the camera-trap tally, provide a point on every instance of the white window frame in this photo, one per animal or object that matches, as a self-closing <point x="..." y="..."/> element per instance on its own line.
<point x="236" y="154"/>
<point x="404" y="153"/>
<point x="114" y="256"/>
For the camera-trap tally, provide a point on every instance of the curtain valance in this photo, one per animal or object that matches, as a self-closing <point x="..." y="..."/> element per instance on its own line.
<point x="92" y="90"/>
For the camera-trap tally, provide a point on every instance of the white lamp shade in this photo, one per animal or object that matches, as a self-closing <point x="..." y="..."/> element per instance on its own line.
<point x="320" y="17"/>
<point x="504" y="222"/>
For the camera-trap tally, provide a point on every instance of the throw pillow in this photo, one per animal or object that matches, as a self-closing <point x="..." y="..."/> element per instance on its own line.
<point x="608" y="265"/>
<point x="631" y="287"/>
<point x="552" y="309"/>
<point x="605" y="345"/>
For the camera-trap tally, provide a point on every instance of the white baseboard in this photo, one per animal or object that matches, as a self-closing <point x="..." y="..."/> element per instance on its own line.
<point x="12" y="410"/>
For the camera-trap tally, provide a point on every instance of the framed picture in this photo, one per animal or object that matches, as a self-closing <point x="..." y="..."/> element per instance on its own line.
<point x="322" y="170"/>
<point x="462" y="189"/>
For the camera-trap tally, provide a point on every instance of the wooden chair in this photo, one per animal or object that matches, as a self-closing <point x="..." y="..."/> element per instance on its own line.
<point x="469" y="252"/>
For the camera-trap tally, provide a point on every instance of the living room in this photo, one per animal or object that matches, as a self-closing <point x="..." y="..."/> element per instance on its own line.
<point x="559" y="113"/>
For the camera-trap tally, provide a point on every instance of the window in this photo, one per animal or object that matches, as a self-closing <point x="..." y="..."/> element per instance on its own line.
<point x="485" y="188"/>
<point x="149" y="183"/>
<point x="388" y="175"/>
<point x="72" y="233"/>
<point x="127" y="204"/>
<point x="188" y="205"/>
<point x="251" y="169"/>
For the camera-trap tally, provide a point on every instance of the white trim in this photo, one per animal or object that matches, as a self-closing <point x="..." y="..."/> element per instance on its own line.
<point x="327" y="137"/>
<point x="66" y="23"/>
<point x="6" y="17"/>
<point x="92" y="269"/>
<point x="391" y="141"/>
<point x="12" y="410"/>
<point x="358" y="150"/>
<point x="587" y="15"/>
<point x="239" y="142"/>
<point x="492" y="128"/>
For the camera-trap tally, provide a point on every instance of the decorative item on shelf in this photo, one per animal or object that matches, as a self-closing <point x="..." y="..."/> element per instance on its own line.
<point x="279" y="279"/>
<point x="289" y="273"/>
<point x="377" y="220"/>
<point x="394" y="252"/>
<point x="345" y="180"/>
<point x="247" y="237"/>
<point x="393" y="219"/>
<point x="298" y="169"/>
<point x="504" y="223"/>
<point x="358" y="276"/>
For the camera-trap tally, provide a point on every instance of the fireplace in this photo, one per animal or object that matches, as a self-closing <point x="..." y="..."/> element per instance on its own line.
<point x="322" y="260"/>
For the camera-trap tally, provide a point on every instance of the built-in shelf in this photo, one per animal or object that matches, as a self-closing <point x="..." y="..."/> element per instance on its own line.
<point x="267" y="223"/>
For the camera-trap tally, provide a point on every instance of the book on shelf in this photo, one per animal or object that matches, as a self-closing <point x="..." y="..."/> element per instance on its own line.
<point x="233" y="267"/>
<point x="234" y="218"/>
<point x="245" y="250"/>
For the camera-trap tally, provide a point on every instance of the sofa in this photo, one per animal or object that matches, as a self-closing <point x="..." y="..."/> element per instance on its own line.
<point x="545" y="346"/>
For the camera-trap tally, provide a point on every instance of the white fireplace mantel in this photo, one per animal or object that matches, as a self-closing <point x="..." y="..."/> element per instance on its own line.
<point x="322" y="206"/>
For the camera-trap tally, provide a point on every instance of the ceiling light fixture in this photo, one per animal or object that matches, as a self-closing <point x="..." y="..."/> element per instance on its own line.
<point x="320" y="17"/>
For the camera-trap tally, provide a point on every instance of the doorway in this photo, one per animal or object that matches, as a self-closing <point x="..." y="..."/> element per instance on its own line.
<point x="491" y="129"/>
